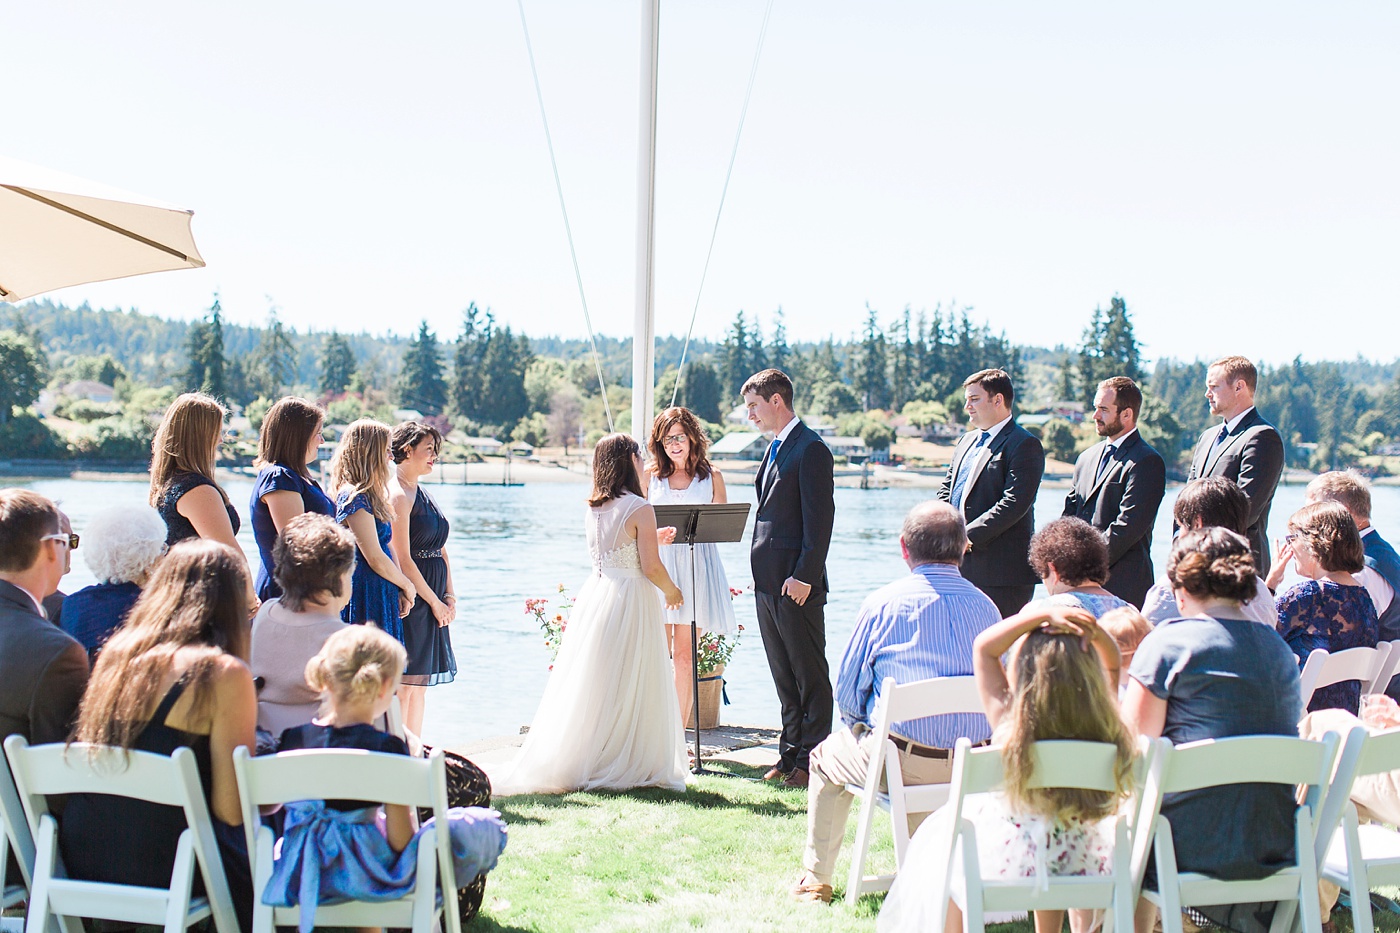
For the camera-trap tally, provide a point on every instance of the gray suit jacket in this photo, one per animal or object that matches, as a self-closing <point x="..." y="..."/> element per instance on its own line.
<point x="1122" y="502"/>
<point x="43" y="671"/>
<point x="1251" y="457"/>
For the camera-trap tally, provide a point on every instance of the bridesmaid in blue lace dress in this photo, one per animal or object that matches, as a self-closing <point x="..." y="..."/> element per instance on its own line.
<point x="379" y="591"/>
<point x="1331" y="609"/>
<point x="420" y="541"/>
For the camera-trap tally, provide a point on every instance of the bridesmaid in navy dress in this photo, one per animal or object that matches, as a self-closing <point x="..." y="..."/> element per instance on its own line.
<point x="379" y="591"/>
<point x="289" y="440"/>
<point x="420" y="539"/>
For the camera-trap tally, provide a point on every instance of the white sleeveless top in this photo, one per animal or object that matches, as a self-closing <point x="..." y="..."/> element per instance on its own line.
<point x="699" y="491"/>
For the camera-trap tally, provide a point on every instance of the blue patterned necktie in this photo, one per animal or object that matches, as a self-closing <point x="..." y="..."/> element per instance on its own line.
<point x="965" y="471"/>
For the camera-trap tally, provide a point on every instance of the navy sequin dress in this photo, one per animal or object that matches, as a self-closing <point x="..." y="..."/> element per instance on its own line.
<point x="430" y="657"/>
<point x="1322" y="614"/>
<point x="372" y="598"/>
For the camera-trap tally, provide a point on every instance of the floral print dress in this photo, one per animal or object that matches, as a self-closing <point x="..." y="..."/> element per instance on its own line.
<point x="1323" y="614"/>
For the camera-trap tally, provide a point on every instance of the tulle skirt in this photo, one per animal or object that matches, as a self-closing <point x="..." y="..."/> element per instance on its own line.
<point x="609" y="718"/>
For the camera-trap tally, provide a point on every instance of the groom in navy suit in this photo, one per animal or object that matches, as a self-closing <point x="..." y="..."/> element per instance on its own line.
<point x="791" y="535"/>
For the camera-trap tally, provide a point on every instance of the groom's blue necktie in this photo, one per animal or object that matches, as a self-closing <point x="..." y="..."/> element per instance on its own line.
<point x="768" y="470"/>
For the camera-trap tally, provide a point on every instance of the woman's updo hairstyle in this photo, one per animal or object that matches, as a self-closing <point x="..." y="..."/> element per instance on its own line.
<point x="355" y="663"/>
<point x="1213" y="563"/>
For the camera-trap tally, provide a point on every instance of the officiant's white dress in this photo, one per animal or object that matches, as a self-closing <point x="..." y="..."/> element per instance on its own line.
<point x="609" y="718"/>
<point x="709" y="598"/>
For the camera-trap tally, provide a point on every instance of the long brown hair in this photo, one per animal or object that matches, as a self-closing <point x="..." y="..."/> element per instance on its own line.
<point x="196" y="599"/>
<point x="613" y="470"/>
<point x="1061" y="692"/>
<point x="696" y="463"/>
<point x="186" y="440"/>
<point x="361" y="465"/>
<point x="286" y="433"/>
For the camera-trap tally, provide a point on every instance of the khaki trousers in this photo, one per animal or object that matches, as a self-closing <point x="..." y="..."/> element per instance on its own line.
<point x="844" y="758"/>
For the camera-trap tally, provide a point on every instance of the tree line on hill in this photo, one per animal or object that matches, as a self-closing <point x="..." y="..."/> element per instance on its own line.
<point x="487" y="379"/>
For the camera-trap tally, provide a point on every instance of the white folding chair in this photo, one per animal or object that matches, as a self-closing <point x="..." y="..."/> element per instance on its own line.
<point x="900" y="703"/>
<point x="1389" y="669"/>
<point x="1357" y="857"/>
<point x="44" y="770"/>
<point x="1324" y="668"/>
<point x="15" y="837"/>
<point x="1263" y="759"/>
<point x="352" y="774"/>
<point x="1060" y="764"/>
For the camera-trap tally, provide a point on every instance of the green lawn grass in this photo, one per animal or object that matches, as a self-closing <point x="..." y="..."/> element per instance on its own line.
<point x="720" y="856"/>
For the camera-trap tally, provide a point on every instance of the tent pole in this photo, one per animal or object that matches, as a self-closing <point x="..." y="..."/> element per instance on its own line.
<point x="644" y="328"/>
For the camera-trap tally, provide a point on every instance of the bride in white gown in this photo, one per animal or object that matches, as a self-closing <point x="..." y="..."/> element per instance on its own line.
<point x="609" y="718"/>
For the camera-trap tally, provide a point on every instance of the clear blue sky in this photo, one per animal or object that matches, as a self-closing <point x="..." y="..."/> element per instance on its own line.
<point x="1231" y="169"/>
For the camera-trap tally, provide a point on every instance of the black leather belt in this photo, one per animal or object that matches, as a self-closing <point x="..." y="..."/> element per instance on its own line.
<point x="928" y="751"/>
<point x="424" y="555"/>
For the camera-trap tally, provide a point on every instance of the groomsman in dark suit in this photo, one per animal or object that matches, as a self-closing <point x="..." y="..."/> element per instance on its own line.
<point x="1118" y="486"/>
<point x="993" y="480"/>
<point x="1245" y="449"/>
<point x="791" y="535"/>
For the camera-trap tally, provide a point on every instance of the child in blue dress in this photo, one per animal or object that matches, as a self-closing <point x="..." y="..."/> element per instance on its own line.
<point x="379" y="591"/>
<point x="335" y="850"/>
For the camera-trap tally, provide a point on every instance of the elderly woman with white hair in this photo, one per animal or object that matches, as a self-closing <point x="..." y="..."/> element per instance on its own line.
<point x="121" y="546"/>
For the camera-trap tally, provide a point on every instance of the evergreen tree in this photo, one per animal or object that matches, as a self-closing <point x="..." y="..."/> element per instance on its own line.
<point x="779" y="354"/>
<point x="904" y="363"/>
<point x="205" y="348"/>
<point x="421" y="384"/>
<point x="700" y="391"/>
<point x="467" y="359"/>
<point x="735" y="356"/>
<point x="1108" y="348"/>
<point x="503" y="365"/>
<point x="337" y="364"/>
<point x="275" y="362"/>
<point x="24" y="371"/>
<point x="869" y="376"/>
<point x="1066" y="391"/>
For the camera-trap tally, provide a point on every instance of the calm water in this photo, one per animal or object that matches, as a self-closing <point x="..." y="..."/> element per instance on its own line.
<point x="508" y="544"/>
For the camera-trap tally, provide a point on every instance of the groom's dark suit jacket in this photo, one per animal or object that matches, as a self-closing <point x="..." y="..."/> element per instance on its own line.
<point x="1122" y="502"/>
<point x="796" y="509"/>
<point x="999" y="505"/>
<point x="1251" y="457"/>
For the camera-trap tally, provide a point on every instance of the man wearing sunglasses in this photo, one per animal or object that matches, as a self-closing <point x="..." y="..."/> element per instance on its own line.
<point x="43" y="671"/>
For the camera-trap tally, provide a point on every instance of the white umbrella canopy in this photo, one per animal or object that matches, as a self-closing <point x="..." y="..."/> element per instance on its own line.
<point x="57" y="230"/>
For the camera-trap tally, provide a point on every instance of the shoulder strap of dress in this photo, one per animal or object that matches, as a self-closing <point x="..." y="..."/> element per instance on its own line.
<point x="167" y="703"/>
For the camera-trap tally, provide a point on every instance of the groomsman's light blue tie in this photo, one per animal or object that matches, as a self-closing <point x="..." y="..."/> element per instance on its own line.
<point x="965" y="471"/>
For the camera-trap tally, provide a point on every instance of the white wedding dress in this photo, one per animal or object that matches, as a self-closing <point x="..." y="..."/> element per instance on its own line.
<point x="609" y="718"/>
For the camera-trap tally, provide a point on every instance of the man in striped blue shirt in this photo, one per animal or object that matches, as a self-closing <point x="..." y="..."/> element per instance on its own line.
<point x="918" y="627"/>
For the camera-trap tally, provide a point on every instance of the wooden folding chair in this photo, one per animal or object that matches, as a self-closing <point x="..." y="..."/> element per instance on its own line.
<point x="900" y="703"/>
<point x="352" y="774"/>
<point x="1259" y="759"/>
<point x="44" y="770"/>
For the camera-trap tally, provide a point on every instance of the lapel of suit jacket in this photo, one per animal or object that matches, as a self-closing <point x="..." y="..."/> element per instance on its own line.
<point x="983" y="457"/>
<point x="1236" y="437"/>
<point x="21" y="600"/>
<point x="1115" y="466"/>
<point x="784" y="451"/>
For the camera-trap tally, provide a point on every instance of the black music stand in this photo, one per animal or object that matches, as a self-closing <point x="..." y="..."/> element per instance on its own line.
<point x="710" y="523"/>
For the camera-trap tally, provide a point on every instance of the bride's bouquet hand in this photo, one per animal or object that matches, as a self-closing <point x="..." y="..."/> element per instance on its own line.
<point x="674" y="598"/>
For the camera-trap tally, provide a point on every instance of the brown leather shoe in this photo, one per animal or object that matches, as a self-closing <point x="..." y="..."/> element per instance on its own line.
<point x="798" y="778"/>
<point x="811" y="891"/>
<point x="776" y="773"/>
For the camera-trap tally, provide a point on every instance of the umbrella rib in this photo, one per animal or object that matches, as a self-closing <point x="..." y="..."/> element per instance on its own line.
<point x="99" y="222"/>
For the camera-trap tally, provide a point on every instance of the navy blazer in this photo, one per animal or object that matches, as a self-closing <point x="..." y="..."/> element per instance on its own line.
<point x="1381" y="558"/>
<point x="796" y="509"/>
<point x="43" y="671"/>
<point x="999" y="505"/>
<point x="1252" y="458"/>
<point x="1122" y="502"/>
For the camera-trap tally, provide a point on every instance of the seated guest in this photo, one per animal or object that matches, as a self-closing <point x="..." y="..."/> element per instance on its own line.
<point x="1056" y="686"/>
<point x="1071" y="558"/>
<point x="123" y="544"/>
<point x="1216" y="673"/>
<point x="173" y="676"/>
<point x="53" y="603"/>
<point x="42" y="670"/>
<point x="1128" y="628"/>
<point x="313" y="560"/>
<point x="1382" y="574"/>
<point x="1212" y="502"/>
<point x="918" y="627"/>
<point x="1331" y="609"/>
